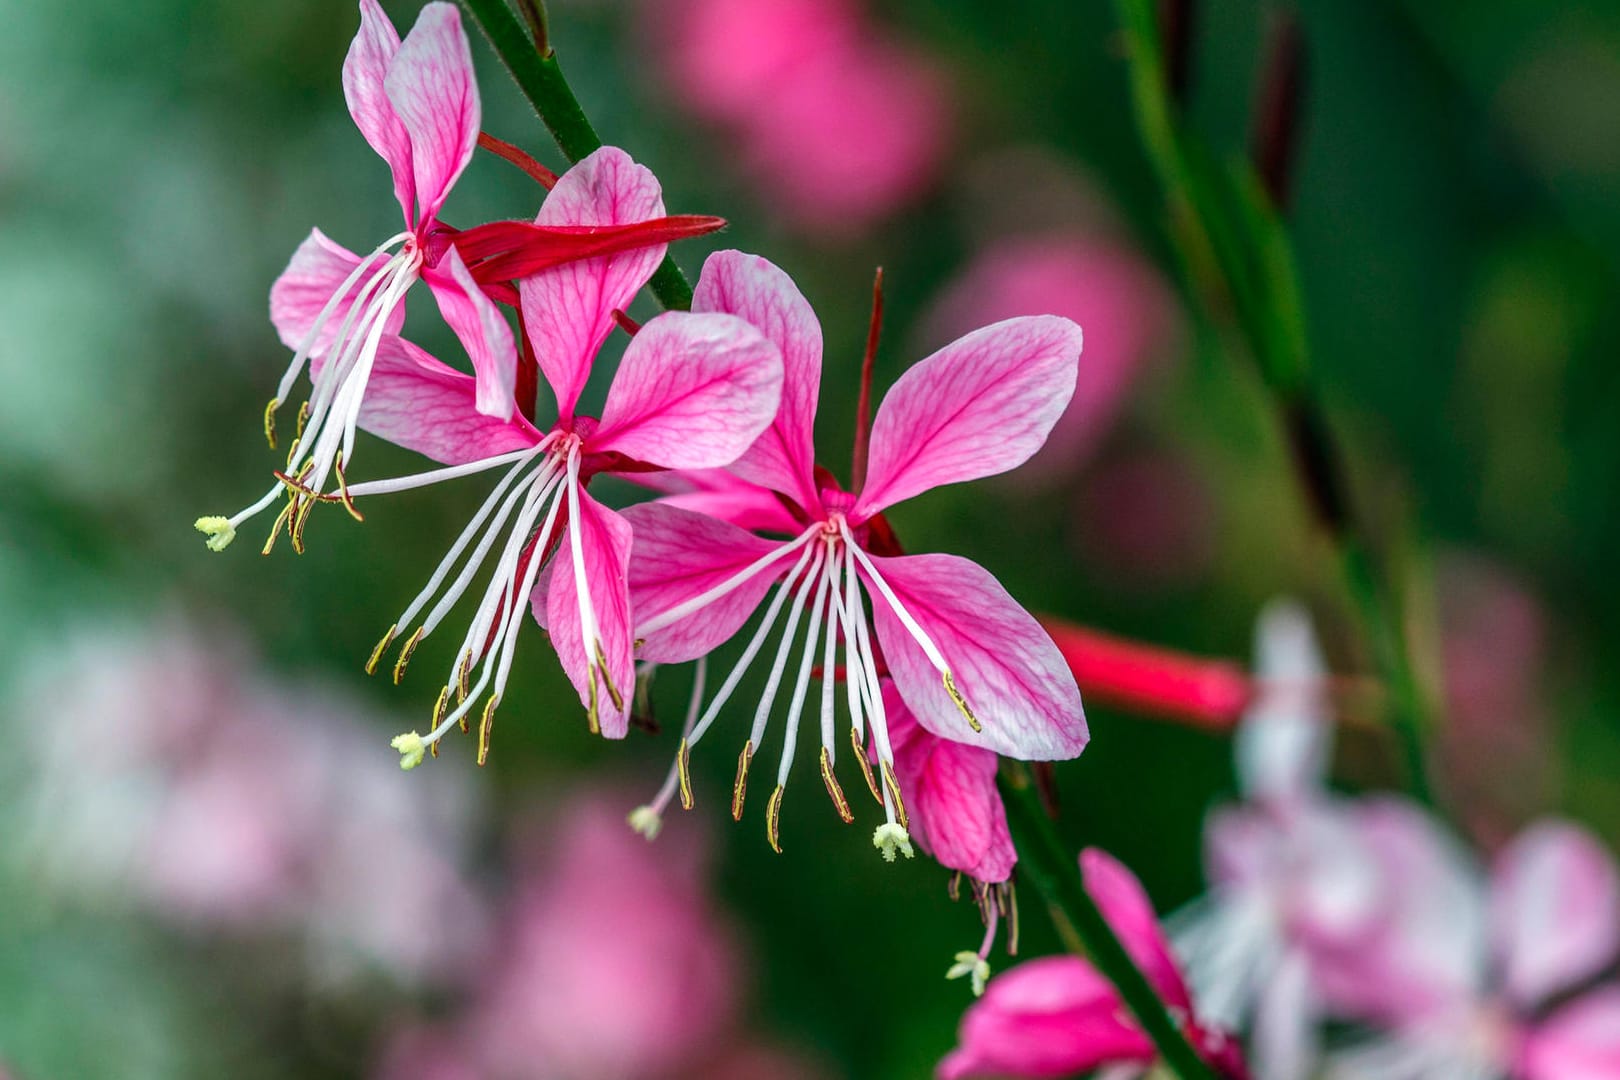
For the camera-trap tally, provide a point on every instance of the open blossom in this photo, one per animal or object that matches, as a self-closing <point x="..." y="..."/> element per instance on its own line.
<point x="692" y="391"/>
<point x="970" y="664"/>
<point x="1497" y="980"/>
<point x="416" y="102"/>
<point x="1059" y="1016"/>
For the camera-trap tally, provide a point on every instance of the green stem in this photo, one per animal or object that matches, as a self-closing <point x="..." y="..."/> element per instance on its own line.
<point x="541" y="80"/>
<point x="1043" y="860"/>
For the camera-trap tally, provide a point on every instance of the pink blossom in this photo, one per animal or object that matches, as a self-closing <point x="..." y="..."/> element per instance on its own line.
<point x="693" y="391"/>
<point x="969" y="663"/>
<point x="1058" y="1016"/>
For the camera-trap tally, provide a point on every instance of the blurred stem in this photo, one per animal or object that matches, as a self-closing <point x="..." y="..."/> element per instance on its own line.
<point x="541" y="80"/>
<point x="1239" y="262"/>
<point x="1055" y="872"/>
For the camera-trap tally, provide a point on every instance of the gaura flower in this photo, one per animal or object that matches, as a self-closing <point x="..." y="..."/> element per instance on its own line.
<point x="1059" y="1016"/>
<point x="416" y="103"/>
<point x="692" y="391"/>
<point x="969" y="663"/>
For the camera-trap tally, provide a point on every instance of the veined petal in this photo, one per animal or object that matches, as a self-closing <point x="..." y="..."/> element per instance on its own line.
<point x="317" y="269"/>
<point x="568" y="309"/>
<point x="484" y="333"/>
<point x="1125" y="904"/>
<point x="605" y="539"/>
<point x="719" y="494"/>
<point x="950" y="790"/>
<point x="679" y="555"/>
<point x="1555" y="910"/>
<point x="755" y="289"/>
<point x="417" y="402"/>
<point x="1012" y="676"/>
<point x="980" y="406"/>
<point x="692" y="392"/>
<point x="432" y="88"/>
<point x="1580" y="1041"/>
<point x="364" y="69"/>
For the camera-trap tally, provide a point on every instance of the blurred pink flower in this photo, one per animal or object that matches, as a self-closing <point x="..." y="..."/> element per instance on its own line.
<point x="1143" y="519"/>
<point x="840" y="124"/>
<point x="1057" y="1016"/>
<point x="1128" y="311"/>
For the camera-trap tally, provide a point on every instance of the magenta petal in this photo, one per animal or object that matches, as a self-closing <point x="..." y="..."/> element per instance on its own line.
<point x="980" y="406"/>
<point x="568" y="309"/>
<point x="417" y="402"/>
<point x="756" y="290"/>
<point x="432" y="88"/>
<point x="950" y="790"/>
<point x="692" y="392"/>
<point x="1051" y="1017"/>
<point x="364" y="69"/>
<point x="678" y="555"/>
<point x="484" y="333"/>
<point x="1580" y="1041"/>
<point x="1013" y="677"/>
<point x="316" y="271"/>
<point x="1125" y="904"/>
<point x="605" y="540"/>
<point x="1555" y="910"/>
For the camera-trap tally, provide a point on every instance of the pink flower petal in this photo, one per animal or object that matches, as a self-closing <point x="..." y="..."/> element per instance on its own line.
<point x="568" y="310"/>
<point x="605" y="543"/>
<point x="417" y="402"/>
<point x="432" y="88"/>
<point x="692" y="392"/>
<point x="678" y="555"/>
<point x="718" y="493"/>
<point x="748" y="286"/>
<point x="1580" y="1041"/>
<point x="364" y="69"/>
<point x="484" y="333"/>
<point x="1125" y="904"/>
<point x="1003" y="663"/>
<point x="980" y="406"/>
<point x="315" y="272"/>
<point x="1555" y="910"/>
<point x="950" y="790"/>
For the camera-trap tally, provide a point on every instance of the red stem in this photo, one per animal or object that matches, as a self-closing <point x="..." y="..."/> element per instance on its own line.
<point x="863" y="407"/>
<point x="507" y="152"/>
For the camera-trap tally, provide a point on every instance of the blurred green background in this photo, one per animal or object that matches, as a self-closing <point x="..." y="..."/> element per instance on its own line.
<point x="1457" y="219"/>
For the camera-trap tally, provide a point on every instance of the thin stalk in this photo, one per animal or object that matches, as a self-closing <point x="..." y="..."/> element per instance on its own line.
<point x="1044" y="861"/>
<point x="541" y="80"/>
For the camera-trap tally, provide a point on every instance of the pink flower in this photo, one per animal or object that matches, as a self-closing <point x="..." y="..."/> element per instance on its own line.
<point x="692" y="392"/>
<point x="1058" y="1016"/>
<point x="969" y="663"/>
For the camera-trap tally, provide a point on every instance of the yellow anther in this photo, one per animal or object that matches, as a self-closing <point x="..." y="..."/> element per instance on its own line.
<point x="411" y="748"/>
<point x="607" y="679"/>
<point x="893" y="785"/>
<point x="591" y="720"/>
<point x="891" y="840"/>
<point x="270" y="422"/>
<point x="1012" y="918"/>
<point x="303" y="418"/>
<point x="275" y="528"/>
<point x="300" y="519"/>
<point x="439" y="707"/>
<point x="683" y="772"/>
<point x="219" y="530"/>
<point x="646" y="821"/>
<point x="382" y="647"/>
<point x="405" y="652"/>
<point x="343" y="492"/>
<point x="463" y="672"/>
<point x="961" y="702"/>
<point x="485" y="726"/>
<point x="773" y="820"/>
<point x="840" y="803"/>
<point x="866" y="767"/>
<point x="739" y="790"/>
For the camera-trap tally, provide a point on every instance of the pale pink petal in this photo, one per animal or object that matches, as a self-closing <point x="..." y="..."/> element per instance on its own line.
<point x="692" y="392"/>
<point x="678" y="555"/>
<point x="484" y="333"/>
<point x="950" y="791"/>
<point x="980" y="406"/>
<point x="753" y="288"/>
<point x="421" y="404"/>
<point x="364" y="69"/>
<point x="568" y="310"/>
<point x="1580" y="1041"/>
<point x="313" y="275"/>
<point x="605" y="543"/>
<point x="1003" y="663"/>
<point x="1281" y="745"/>
<point x="432" y="88"/>
<point x="1286" y="1041"/>
<point x="1051" y="1017"/>
<point x="1555" y="910"/>
<point x="1125" y="904"/>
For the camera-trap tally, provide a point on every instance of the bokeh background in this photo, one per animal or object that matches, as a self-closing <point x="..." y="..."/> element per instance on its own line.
<point x="212" y="866"/>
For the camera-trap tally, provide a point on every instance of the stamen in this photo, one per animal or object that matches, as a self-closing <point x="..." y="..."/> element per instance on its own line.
<point x="270" y="422"/>
<point x="382" y="647"/>
<point x="607" y="678"/>
<point x="343" y="492"/>
<point x="801" y="685"/>
<point x="486" y="725"/>
<point x="438" y="707"/>
<point x="893" y="785"/>
<point x="704" y="599"/>
<point x="283" y="518"/>
<point x="840" y="803"/>
<point x="961" y="702"/>
<point x="683" y="767"/>
<point x="773" y="681"/>
<point x="773" y="819"/>
<point x="303" y="418"/>
<point x="739" y="789"/>
<point x="866" y="768"/>
<point x="405" y="654"/>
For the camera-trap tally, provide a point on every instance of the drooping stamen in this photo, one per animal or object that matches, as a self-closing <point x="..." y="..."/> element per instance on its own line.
<point x="773" y="819"/>
<point x="382" y="647"/>
<point x="709" y="596"/>
<point x="405" y="653"/>
<point x="866" y="768"/>
<point x="801" y="685"/>
<point x="648" y="818"/>
<point x="893" y="786"/>
<point x="834" y="792"/>
<point x="739" y="788"/>
<point x="485" y="726"/>
<point x="683" y="771"/>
